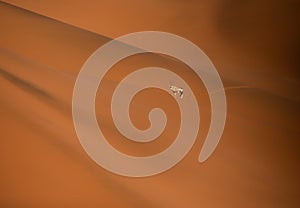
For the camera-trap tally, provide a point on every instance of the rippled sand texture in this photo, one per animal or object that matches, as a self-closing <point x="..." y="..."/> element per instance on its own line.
<point x="254" y="45"/>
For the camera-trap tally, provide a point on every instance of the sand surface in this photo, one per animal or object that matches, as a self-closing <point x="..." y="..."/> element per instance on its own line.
<point x="254" y="45"/>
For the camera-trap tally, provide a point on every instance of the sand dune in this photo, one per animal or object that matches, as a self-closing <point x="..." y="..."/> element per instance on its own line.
<point x="42" y="162"/>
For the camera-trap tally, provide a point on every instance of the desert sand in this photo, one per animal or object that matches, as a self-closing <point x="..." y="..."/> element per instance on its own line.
<point x="254" y="46"/>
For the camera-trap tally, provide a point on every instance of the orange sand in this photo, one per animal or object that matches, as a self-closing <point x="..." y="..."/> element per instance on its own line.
<point x="253" y="45"/>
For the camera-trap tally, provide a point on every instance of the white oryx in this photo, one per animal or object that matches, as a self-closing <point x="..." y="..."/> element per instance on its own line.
<point x="175" y="89"/>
